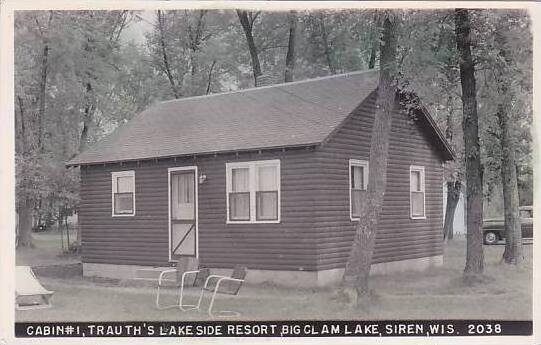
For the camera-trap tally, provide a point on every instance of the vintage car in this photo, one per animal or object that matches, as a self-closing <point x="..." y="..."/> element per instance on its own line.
<point x="494" y="231"/>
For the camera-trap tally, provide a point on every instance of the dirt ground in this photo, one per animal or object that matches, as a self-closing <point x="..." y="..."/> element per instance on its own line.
<point x="439" y="293"/>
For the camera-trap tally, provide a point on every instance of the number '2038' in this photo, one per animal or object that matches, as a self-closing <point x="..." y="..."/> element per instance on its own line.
<point x="485" y="328"/>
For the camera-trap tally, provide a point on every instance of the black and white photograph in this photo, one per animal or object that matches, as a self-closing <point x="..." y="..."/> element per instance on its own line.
<point x="229" y="169"/>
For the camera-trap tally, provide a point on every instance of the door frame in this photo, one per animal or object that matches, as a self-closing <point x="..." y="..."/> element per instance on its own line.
<point x="196" y="199"/>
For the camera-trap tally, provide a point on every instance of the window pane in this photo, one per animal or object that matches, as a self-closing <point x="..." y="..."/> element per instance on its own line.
<point x="267" y="205"/>
<point x="267" y="180"/>
<point x="416" y="181"/>
<point x="182" y="196"/>
<point x="417" y="204"/>
<point x="357" y="177"/>
<point x="123" y="203"/>
<point x="356" y="200"/>
<point x="239" y="206"/>
<point x="124" y="184"/>
<point x="185" y="188"/>
<point x="240" y="180"/>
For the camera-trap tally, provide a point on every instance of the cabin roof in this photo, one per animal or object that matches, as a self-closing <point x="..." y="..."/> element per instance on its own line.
<point x="301" y="113"/>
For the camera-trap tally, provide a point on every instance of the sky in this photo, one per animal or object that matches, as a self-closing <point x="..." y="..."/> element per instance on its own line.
<point x="136" y="30"/>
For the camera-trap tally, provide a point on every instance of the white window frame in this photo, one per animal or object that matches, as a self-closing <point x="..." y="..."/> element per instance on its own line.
<point x="253" y="182"/>
<point x="356" y="163"/>
<point x="420" y="169"/>
<point x="114" y="176"/>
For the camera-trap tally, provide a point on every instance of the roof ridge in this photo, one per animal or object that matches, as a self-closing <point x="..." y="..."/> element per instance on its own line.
<point x="269" y="86"/>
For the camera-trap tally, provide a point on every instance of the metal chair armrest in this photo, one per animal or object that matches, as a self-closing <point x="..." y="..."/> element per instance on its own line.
<point x="231" y="279"/>
<point x="220" y="279"/>
<point x="163" y="273"/>
<point x="212" y="276"/>
<point x="186" y="273"/>
<point x="226" y="279"/>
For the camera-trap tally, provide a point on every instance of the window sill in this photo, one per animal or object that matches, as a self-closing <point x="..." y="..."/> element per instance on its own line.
<point x="253" y="222"/>
<point x="417" y="218"/>
<point x="123" y="215"/>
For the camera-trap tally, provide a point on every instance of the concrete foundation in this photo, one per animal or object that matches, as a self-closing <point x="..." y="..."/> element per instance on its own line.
<point x="283" y="278"/>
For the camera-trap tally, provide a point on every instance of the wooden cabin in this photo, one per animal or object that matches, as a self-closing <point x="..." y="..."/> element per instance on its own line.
<point x="271" y="178"/>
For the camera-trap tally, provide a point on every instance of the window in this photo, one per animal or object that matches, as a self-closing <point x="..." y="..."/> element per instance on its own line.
<point x="267" y="193"/>
<point x="239" y="196"/>
<point x="123" y="196"/>
<point x="417" y="192"/>
<point x="358" y="182"/>
<point x="253" y="192"/>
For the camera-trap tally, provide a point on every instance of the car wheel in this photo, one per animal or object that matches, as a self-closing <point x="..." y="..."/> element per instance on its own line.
<point x="490" y="237"/>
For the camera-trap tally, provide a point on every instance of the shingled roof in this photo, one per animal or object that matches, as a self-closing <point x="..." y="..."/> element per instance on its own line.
<point x="285" y="115"/>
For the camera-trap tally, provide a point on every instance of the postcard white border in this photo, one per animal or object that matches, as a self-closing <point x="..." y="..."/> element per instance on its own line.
<point x="7" y="166"/>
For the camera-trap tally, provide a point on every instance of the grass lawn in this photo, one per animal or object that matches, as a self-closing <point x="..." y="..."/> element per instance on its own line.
<point x="47" y="251"/>
<point x="439" y="293"/>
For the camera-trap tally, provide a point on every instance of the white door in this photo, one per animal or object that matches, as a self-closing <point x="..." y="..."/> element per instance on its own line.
<point x="183" y="213"/>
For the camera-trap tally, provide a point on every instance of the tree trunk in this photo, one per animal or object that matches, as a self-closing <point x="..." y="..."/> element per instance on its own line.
<point x="165" y="58"/>
<point x="453" y="195"/>
<point x="247" y="24"/>
<point x="209" y="79"/>
<point x="513" y="230"/>
<point x="25" y="223"/>
<point x="449" y="120"/>
<point x="375" y="43"/>
<point x="68" y="240"/>
<point x="326" y="45"/>
<point x="24" y="215"/>
<point x="43" y="83"/>
<point x="61" y="238"/>
<point x="470" y="126"/>
<point x="196" y="37"/>
<point x="290" y="55"/>
<point x="22" y="141"/>
<point x="373" y="52"/>
<point x="358" y="265"/>
<point x="88" y="116"/>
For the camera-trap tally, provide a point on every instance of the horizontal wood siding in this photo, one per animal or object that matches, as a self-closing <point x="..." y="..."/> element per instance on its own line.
<point x="398" y="236"/>
<point x="143" y="238"/>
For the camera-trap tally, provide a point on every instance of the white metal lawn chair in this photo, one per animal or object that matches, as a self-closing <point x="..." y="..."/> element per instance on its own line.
<point x="200" y="277"/>
<point x="218" y="284"/>
<point x="29" y="293"/>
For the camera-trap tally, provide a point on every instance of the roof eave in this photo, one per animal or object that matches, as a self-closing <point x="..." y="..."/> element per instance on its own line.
<point x="450" y="154"/>
<point x="75" y="163"/>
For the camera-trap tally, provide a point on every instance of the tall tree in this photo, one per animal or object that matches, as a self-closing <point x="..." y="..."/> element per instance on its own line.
<point x="196" y="37"/>
<point x="161" y="23"/>
<point x="357" y="270"/>
<point x="187" y="46"/>
<point x="30" y="149"/>
<point x="508" y="169"/>
<point x="326" y="43"/>
<point x="43" y="73"/>
<point x="52" y="73"/>
<point x="290" y="56"/>
<point x="470" y="126"/>
<point x="100" y="47"/>
<point x="247" y="19"/>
